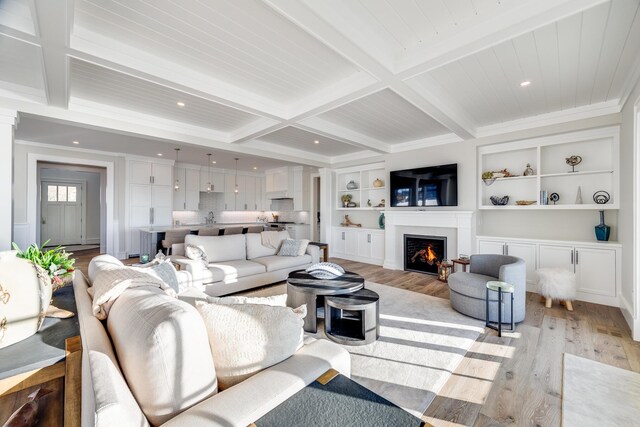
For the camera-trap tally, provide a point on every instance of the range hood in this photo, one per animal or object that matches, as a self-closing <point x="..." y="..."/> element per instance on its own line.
<point x="278" y="195"/>
<point x="282" y="204"/>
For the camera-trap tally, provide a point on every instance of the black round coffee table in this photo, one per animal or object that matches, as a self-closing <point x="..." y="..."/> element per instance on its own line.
<point x="303" y="288"/>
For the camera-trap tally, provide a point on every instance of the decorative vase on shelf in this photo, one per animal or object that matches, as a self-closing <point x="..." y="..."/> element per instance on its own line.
<point x="381" y="221"/>
<point x="378" y="183"/>
<point x="529" y="170"/>
<point x="351" y="185"/>
<point x="579" y="196"/>
<point x="602" y="230"/>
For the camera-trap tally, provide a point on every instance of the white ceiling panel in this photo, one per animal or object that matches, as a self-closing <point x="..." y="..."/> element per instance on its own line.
<point x="579" y="60"/>
<point x="98" y="84"/>
<point x="16" y="14"/>
<point x="21" y="68"/>
<point x="387" y="117"/>
<point x="241" y="42"/>
<point x="299" y="139"/>
<point x="35" y="130"/>
<point x="395" y="28"/>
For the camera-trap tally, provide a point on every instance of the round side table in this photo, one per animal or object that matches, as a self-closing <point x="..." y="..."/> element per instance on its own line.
<point x="352" y="319"/>
<point x="500" y="287"/>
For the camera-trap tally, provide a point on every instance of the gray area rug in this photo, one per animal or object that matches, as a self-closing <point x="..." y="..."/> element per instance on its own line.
<point x="422" y="341"/>
<point x="595" y="394"/>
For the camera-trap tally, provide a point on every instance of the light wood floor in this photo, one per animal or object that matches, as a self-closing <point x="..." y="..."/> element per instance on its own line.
<point x="516" y="379"/>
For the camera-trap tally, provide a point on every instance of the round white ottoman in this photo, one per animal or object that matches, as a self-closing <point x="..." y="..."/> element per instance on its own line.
<point x="558" y="284"/>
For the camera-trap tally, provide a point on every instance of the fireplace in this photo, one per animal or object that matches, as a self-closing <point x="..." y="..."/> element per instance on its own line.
<point x="423" y="253"/>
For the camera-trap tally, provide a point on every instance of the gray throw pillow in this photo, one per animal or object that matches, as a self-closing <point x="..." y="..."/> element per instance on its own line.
<point x="291" y="247"/>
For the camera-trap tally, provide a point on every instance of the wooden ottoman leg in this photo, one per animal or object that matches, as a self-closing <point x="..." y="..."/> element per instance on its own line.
<point x="569" y="305"/>
<point x="548" y="303"/>
<point x="543" y="298"/>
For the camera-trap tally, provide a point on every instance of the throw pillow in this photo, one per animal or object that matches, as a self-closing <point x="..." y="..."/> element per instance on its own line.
<point x="247" y="338"/>
<point x="291" y="247"/>
<point x="163" y="270"/>
<point x="276" y="300"/>
<point x="196" y="253"/>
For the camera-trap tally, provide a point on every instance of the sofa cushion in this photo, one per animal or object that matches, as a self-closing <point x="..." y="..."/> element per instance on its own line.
<point x="275" y="300"/>
<point x="277" y="262"/>
<point x="196" y="253"/>
<point x="293" y="247"/>
<point x="256" y="249"/>
<point x="220" y="248"/>
<point x="472" y="285"/>
<point x="235" y="269"/>
<point x="162" y="347"/>
<point x="100" y="263"/>
<point x="262" y="336"/>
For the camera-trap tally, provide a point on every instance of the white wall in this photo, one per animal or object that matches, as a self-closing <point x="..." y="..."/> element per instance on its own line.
<point x="21" y="218"/>
<point x="93" y="194"/>
<point x="629" y="302"/>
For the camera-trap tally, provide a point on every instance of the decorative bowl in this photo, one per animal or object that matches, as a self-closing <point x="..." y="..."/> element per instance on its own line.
<point x="525" y="202"/>
<point x="499" y="201"/>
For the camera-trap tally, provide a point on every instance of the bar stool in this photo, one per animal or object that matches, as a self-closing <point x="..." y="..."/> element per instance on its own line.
<point x="172" y="237"/>
<point x="231" y="230"/>
<point x="500" y="287"/>
<point x="209" y="231"/>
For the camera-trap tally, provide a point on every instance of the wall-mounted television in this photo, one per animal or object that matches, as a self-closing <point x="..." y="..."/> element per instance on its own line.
<point x="424" y="187"/>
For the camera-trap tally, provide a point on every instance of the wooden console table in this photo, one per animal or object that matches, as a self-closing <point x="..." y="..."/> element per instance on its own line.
<point x="324" y="247"/>
<point x="50" y="359"/>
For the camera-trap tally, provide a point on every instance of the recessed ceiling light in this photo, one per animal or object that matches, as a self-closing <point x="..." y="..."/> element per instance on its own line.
<point x="76" y="142"/>
<point x="255" y="168"/>
<point x="213" y="162"/>
<point x="316" y="142"/>
<point x="180" y="104"/>
<point x="160" y="154"/>
<point x="525" y="83"/>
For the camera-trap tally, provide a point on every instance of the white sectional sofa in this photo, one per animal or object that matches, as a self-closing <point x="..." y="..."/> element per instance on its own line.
<point x="150" y="363"/>
<point x="238" y="262"/>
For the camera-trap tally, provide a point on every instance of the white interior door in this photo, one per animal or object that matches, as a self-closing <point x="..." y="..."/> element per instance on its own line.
<point x="62" y="214"/>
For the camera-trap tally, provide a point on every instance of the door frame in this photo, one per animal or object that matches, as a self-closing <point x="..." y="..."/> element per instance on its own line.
<point x="111" y="232"/>
<point x="83" y="209"/>
<point x="636" y="221"/>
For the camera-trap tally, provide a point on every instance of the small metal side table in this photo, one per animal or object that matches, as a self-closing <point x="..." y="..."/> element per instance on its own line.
<point x="500" y="287"/>
<point x="352" y="319"/>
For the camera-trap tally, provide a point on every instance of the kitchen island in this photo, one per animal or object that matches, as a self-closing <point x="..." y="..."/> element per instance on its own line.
<point x="150" y="237"/>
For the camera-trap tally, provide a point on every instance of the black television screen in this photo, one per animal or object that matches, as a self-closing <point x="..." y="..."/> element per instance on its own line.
<point x="423" y="187"/>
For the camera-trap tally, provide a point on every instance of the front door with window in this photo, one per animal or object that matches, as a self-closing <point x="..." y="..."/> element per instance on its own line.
<point x="61" y="213"/>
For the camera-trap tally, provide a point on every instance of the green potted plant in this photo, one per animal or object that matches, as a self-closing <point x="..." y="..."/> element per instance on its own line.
<point x="346" y="198"/>
<point x="57" y="262"/>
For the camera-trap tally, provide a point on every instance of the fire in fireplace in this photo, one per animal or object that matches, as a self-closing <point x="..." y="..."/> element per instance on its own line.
<point x="423" y="253"/>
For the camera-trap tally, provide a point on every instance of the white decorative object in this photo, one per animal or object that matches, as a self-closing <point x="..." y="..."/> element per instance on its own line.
<point x="262" y="336"/>
<point x="579" y="196"/>
<point x="25" y="294"/>
<point x="557" y="284"/>
<point x="325" y="270"/>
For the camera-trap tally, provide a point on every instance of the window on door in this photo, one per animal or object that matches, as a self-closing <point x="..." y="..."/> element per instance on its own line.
<point x="61" y="193"/>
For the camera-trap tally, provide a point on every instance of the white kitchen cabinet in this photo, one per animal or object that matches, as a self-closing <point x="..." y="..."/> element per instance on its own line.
<point x="260" y="201"/>
<point x="216" y="179"/>
<point x="358" y="244"/>
<point x="249" y="199"/>
<point x="277" y="179"/>
<point x="597" y="265"/>
<point x="229" y="193"/>
<point x="149" y="200"/>
<point x="187" y="196"/>
<point x="298" y="231"/>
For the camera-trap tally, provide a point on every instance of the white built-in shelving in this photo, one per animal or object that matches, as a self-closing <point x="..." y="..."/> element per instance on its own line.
<point x="364" y="178"/>
<point x="598" y="171"/>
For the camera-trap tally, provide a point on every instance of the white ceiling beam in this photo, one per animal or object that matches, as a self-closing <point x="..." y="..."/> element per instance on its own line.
<point x="318" y="160"/>
<point x="520" y="20"/>
<point x="255" y="130"/>
<point x="305" y="18"/>
<point x="103" y="123"/>
<point x="53" y="19"/>
<point x="339" y="133"/>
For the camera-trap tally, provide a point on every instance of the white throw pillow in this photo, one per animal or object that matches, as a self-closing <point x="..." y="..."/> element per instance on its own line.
<point x="291" y="247"/>
<point x="247" y="338"/>
<point x="276" y="300"/>
<point x="196" y="253"/>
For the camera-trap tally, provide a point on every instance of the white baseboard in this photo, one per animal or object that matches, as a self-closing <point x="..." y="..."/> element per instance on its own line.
<point x="627" y="313"/>
<point x="390" y="265"/>
<point x="357" y="259"/>
<point x="92" y="241"/>
<point x="121" y="255"/>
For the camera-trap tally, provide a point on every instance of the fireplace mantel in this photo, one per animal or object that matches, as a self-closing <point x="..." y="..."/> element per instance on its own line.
<point x="462" y="221"/>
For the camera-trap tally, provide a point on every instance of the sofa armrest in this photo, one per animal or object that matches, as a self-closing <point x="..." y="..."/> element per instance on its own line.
<point x="514" y="274"/>
<point x="194" y="267"/>
<point x="244" y="403"/>
<point x="314" y="251"/>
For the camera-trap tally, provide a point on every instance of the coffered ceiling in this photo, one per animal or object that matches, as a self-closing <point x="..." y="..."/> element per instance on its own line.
<point x="271" y="77"/>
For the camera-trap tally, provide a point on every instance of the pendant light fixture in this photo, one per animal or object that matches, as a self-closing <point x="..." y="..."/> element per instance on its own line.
<point x="176" y="186"/>
<point x="235" y="190"/>
<point x="209" y="184"/>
